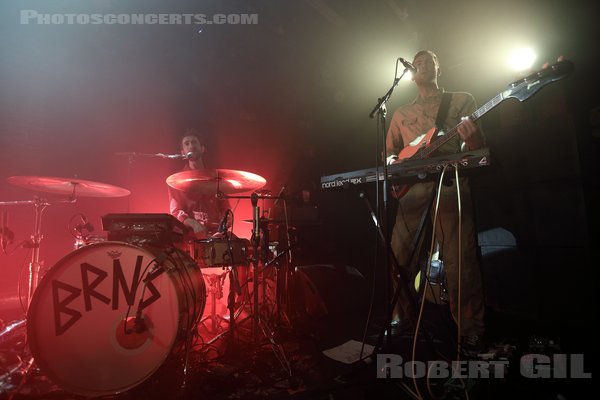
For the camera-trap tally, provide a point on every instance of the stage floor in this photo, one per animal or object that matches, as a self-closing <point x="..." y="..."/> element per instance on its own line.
<point x="286" y="359"/>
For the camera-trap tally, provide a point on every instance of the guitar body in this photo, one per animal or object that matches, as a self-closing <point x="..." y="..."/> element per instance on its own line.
<point x="422" y="141"/>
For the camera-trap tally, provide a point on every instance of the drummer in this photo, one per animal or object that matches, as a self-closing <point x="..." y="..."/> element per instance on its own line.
<point x="200" y="212"/>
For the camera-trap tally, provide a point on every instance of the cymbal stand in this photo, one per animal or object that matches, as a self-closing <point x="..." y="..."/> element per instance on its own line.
<point x="35" y="265"/>
<point x="34" y="244"/>
<point x="288" y="269"/>
<point x="260" y="235"/>
<point x="259" y="255"/>
<point x="255" y="262"/>
<point x="283" y="284"/>
<point x="36" y="238"/>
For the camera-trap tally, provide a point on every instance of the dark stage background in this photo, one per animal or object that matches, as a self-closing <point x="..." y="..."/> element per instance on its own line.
<point x="305" y="77"/>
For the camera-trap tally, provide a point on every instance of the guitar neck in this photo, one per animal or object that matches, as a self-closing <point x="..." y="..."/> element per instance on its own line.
<point x="521" y="90"/>
<point x="451" y="134"/>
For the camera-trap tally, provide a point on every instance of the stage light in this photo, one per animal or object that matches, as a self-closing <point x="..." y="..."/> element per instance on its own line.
<point x="522" y="58"/>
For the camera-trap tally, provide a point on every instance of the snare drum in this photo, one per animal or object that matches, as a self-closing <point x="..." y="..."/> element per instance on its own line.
<point x="76" y="323"/>
<point x="213" y="252"/>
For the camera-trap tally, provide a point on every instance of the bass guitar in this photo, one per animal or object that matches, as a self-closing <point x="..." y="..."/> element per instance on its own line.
<point x="427" y="143"/>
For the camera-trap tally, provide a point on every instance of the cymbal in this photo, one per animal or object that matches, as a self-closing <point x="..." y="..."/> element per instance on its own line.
<point x="68" y="186"/>
<point x="213" y="181"/>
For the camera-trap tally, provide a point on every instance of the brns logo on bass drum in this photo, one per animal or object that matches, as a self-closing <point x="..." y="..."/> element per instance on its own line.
<point x="67" y="298"/>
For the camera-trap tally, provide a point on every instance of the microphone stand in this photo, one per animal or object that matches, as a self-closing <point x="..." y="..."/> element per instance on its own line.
<point x="158" y="155"/>
<point x="382" y="189"/>
<point x="131" y="158"/>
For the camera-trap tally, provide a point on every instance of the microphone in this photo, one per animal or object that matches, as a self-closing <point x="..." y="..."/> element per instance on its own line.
<point x="407" y="65"/>
<point x="186" y="156"/>
<point x="223" y="224"/>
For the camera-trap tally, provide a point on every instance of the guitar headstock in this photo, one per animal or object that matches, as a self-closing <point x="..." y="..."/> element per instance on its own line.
<point x="524" y="88"/>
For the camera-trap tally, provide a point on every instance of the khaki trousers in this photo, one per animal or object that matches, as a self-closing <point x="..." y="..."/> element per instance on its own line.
<point x="410" y="211"/>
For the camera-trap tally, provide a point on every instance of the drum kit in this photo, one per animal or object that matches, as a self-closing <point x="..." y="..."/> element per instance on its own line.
<point x="106" y="316"/>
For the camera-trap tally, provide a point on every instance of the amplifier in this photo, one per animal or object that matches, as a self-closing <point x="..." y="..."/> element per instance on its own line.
<point x="144" y="229"/>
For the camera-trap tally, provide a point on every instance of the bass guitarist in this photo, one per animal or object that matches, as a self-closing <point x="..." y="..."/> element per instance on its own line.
<point x="434" y="107"/>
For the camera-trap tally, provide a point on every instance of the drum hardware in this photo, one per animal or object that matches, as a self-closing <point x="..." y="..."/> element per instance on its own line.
<point x="225" y="184"/>
<point x="6" y="234"/>
<point x="283" y="299"/>
<point x="73" y="188"/>
<point x="65" y="186"/>
<point x="260" y="256"/>
<point x="35" y="265"/>
<point x="220" y="183"/>
<point x="215" y="290"/>
<point x="286" y="254"/>
<point x="81" y="232"/>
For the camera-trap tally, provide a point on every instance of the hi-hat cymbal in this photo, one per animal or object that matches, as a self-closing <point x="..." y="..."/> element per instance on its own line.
<point x="68" y="186"/>
<point x="213" y="181"/>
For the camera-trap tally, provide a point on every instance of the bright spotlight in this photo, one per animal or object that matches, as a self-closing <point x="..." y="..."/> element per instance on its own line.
<point x="521" y="59"/>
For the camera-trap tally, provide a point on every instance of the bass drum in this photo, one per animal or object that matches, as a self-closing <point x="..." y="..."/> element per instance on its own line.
<point x="81" y="323"/>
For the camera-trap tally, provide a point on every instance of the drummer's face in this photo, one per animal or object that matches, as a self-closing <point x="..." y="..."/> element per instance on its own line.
<point x="191" y="144"/>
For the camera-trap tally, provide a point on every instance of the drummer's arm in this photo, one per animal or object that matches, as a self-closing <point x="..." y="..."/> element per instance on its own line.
<point x="176" y="210"/>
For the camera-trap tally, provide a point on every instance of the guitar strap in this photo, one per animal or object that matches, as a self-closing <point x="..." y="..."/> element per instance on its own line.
<point x="443" y="110"/>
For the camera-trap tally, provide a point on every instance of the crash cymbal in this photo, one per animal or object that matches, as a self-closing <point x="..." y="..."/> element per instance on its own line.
<point x="68" y="186"/>
<point x="213" y="181"/>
